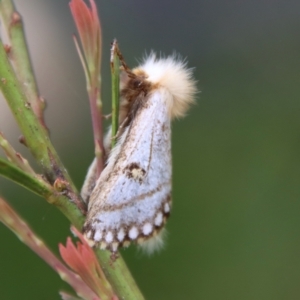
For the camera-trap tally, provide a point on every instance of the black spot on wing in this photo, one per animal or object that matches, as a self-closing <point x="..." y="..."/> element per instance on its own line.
<point x="135" y="171"/>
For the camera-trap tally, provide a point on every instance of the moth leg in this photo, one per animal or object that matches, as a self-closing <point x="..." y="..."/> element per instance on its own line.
<point x="120" y="129"/>
<point x="115" y="49"/>
<point x="113" y="257"/>
<point x="106" y="117"/>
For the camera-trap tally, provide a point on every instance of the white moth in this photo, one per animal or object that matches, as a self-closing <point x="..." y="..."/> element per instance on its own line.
<point x="131" y="200"/>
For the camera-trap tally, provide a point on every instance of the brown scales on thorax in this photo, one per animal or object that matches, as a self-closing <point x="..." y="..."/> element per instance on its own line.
<point x="134" y="89"/>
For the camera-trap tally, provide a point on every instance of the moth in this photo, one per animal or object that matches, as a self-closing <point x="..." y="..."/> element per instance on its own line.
<point x="131" y="200"/>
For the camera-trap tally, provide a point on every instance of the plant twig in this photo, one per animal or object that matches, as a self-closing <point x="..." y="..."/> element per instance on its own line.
<point x="18" y="53"/>
<point x="15" y="157"/>
<point x="115" y="79"/>
<point x="32" y="183"/>
<point x="35" y="134"/>
<point x="89" y="29"/>
<point x="121" y="279"/>
<point x="40" y="187"/>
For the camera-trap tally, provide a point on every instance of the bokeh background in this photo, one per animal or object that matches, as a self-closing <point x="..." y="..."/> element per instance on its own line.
<point x="235" y="229"/>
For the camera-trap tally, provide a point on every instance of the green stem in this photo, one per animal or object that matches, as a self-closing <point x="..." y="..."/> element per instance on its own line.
<point x="19" y="55"/>
<point x="36" y="136"/>
<point x="28" y="181"/>
<point x="115" y="79"/>
<point x="120" y="277"/>
<point x="96" y="113"/>
<point x="43" y="189"/>
<point x="16" y="158"/>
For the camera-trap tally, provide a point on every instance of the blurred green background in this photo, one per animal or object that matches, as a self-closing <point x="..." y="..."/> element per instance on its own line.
<point x="235" y="228"/>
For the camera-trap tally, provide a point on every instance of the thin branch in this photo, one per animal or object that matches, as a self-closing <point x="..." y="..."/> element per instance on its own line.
<point x="15" y="157"/>
<point x="30" y="182"/>
<point x="19" y="55"/>
<point x="115" y="79"/>
<point x="37" y="185"/>
<point x="121" y="279"/>
<point x="89" y="29"/>
<point x="96" y="113"/>
<point x="36" y="137"/>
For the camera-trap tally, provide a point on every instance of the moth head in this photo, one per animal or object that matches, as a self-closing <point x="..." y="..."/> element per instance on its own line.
<point x="170" y="73"/>
<point x="131" y="87"/>
<point x="133" y="84"/>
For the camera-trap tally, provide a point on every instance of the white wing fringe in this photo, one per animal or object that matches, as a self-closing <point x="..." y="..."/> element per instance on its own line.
<point x="154" y="244"/>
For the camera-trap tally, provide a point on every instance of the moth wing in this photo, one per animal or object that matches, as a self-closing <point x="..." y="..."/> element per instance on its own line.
<point x="132" y="195"/>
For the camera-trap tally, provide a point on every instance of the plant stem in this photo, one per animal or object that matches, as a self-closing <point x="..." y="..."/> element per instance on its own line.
<point x="28" y="181"/>
<point x="121" y="279"/>
<point x="115" y="79"/>
<point x="16" y="158"/>
<point x="36" y="136"/>
<point x="96" y="113"/>
<point x="19" y="54"/>
<point x="40" y="187"/>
